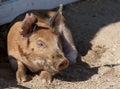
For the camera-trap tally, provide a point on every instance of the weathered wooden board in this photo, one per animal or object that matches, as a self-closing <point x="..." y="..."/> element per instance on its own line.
<point x="9" y="9"/>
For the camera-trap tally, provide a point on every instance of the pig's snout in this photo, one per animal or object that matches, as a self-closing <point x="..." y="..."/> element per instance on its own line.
<point x="63" y="64"/>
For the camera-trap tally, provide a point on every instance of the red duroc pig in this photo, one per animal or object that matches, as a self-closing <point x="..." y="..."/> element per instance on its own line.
<point x="39" y="46"/>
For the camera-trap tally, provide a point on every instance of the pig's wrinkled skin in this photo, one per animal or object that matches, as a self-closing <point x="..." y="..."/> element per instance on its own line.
<point x="40" y="46"/>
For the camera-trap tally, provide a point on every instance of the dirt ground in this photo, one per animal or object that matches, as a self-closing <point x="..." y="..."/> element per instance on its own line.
<point x="95" y="26"/>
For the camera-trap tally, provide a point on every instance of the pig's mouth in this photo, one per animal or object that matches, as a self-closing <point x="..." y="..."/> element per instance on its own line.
<point x="54" y="67"/>
<point x="59" y="66"/>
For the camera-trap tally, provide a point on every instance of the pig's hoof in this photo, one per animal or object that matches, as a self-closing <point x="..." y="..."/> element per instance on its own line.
<point x="22" y="78"/>
<point x="45" y="77"/>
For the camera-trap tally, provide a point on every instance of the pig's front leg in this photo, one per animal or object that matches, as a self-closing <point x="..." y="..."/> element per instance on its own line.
<point x="21" y="73"/>
<point x="45" y="77"/>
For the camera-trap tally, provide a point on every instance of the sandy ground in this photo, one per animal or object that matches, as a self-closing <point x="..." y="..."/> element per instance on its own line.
<point x="95" y="26"/>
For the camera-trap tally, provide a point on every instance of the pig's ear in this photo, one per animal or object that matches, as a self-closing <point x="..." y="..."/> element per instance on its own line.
<point x="28" y="24"/>
<point x="69" y="49"/>
<point x="57" y="19"/>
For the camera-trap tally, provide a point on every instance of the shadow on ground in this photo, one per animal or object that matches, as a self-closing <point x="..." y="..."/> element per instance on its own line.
<point x="87" y="17"/>
<point x="80" y="71"/>
<point x="7" y="78"/>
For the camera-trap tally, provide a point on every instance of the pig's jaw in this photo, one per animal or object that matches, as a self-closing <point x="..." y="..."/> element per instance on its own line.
<point x="41" y="63"/>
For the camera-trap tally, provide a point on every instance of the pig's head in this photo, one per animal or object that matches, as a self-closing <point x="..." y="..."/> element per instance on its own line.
<point x="44" y="44"/>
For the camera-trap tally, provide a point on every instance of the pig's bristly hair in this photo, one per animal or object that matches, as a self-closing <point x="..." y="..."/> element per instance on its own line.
<point x="51" y="21"/>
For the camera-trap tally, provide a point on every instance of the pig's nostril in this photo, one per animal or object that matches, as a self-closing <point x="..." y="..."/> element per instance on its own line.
<point x="64" y="64"/>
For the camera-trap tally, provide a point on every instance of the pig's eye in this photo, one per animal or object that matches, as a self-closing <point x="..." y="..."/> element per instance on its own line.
<point x="41" y="44"/>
